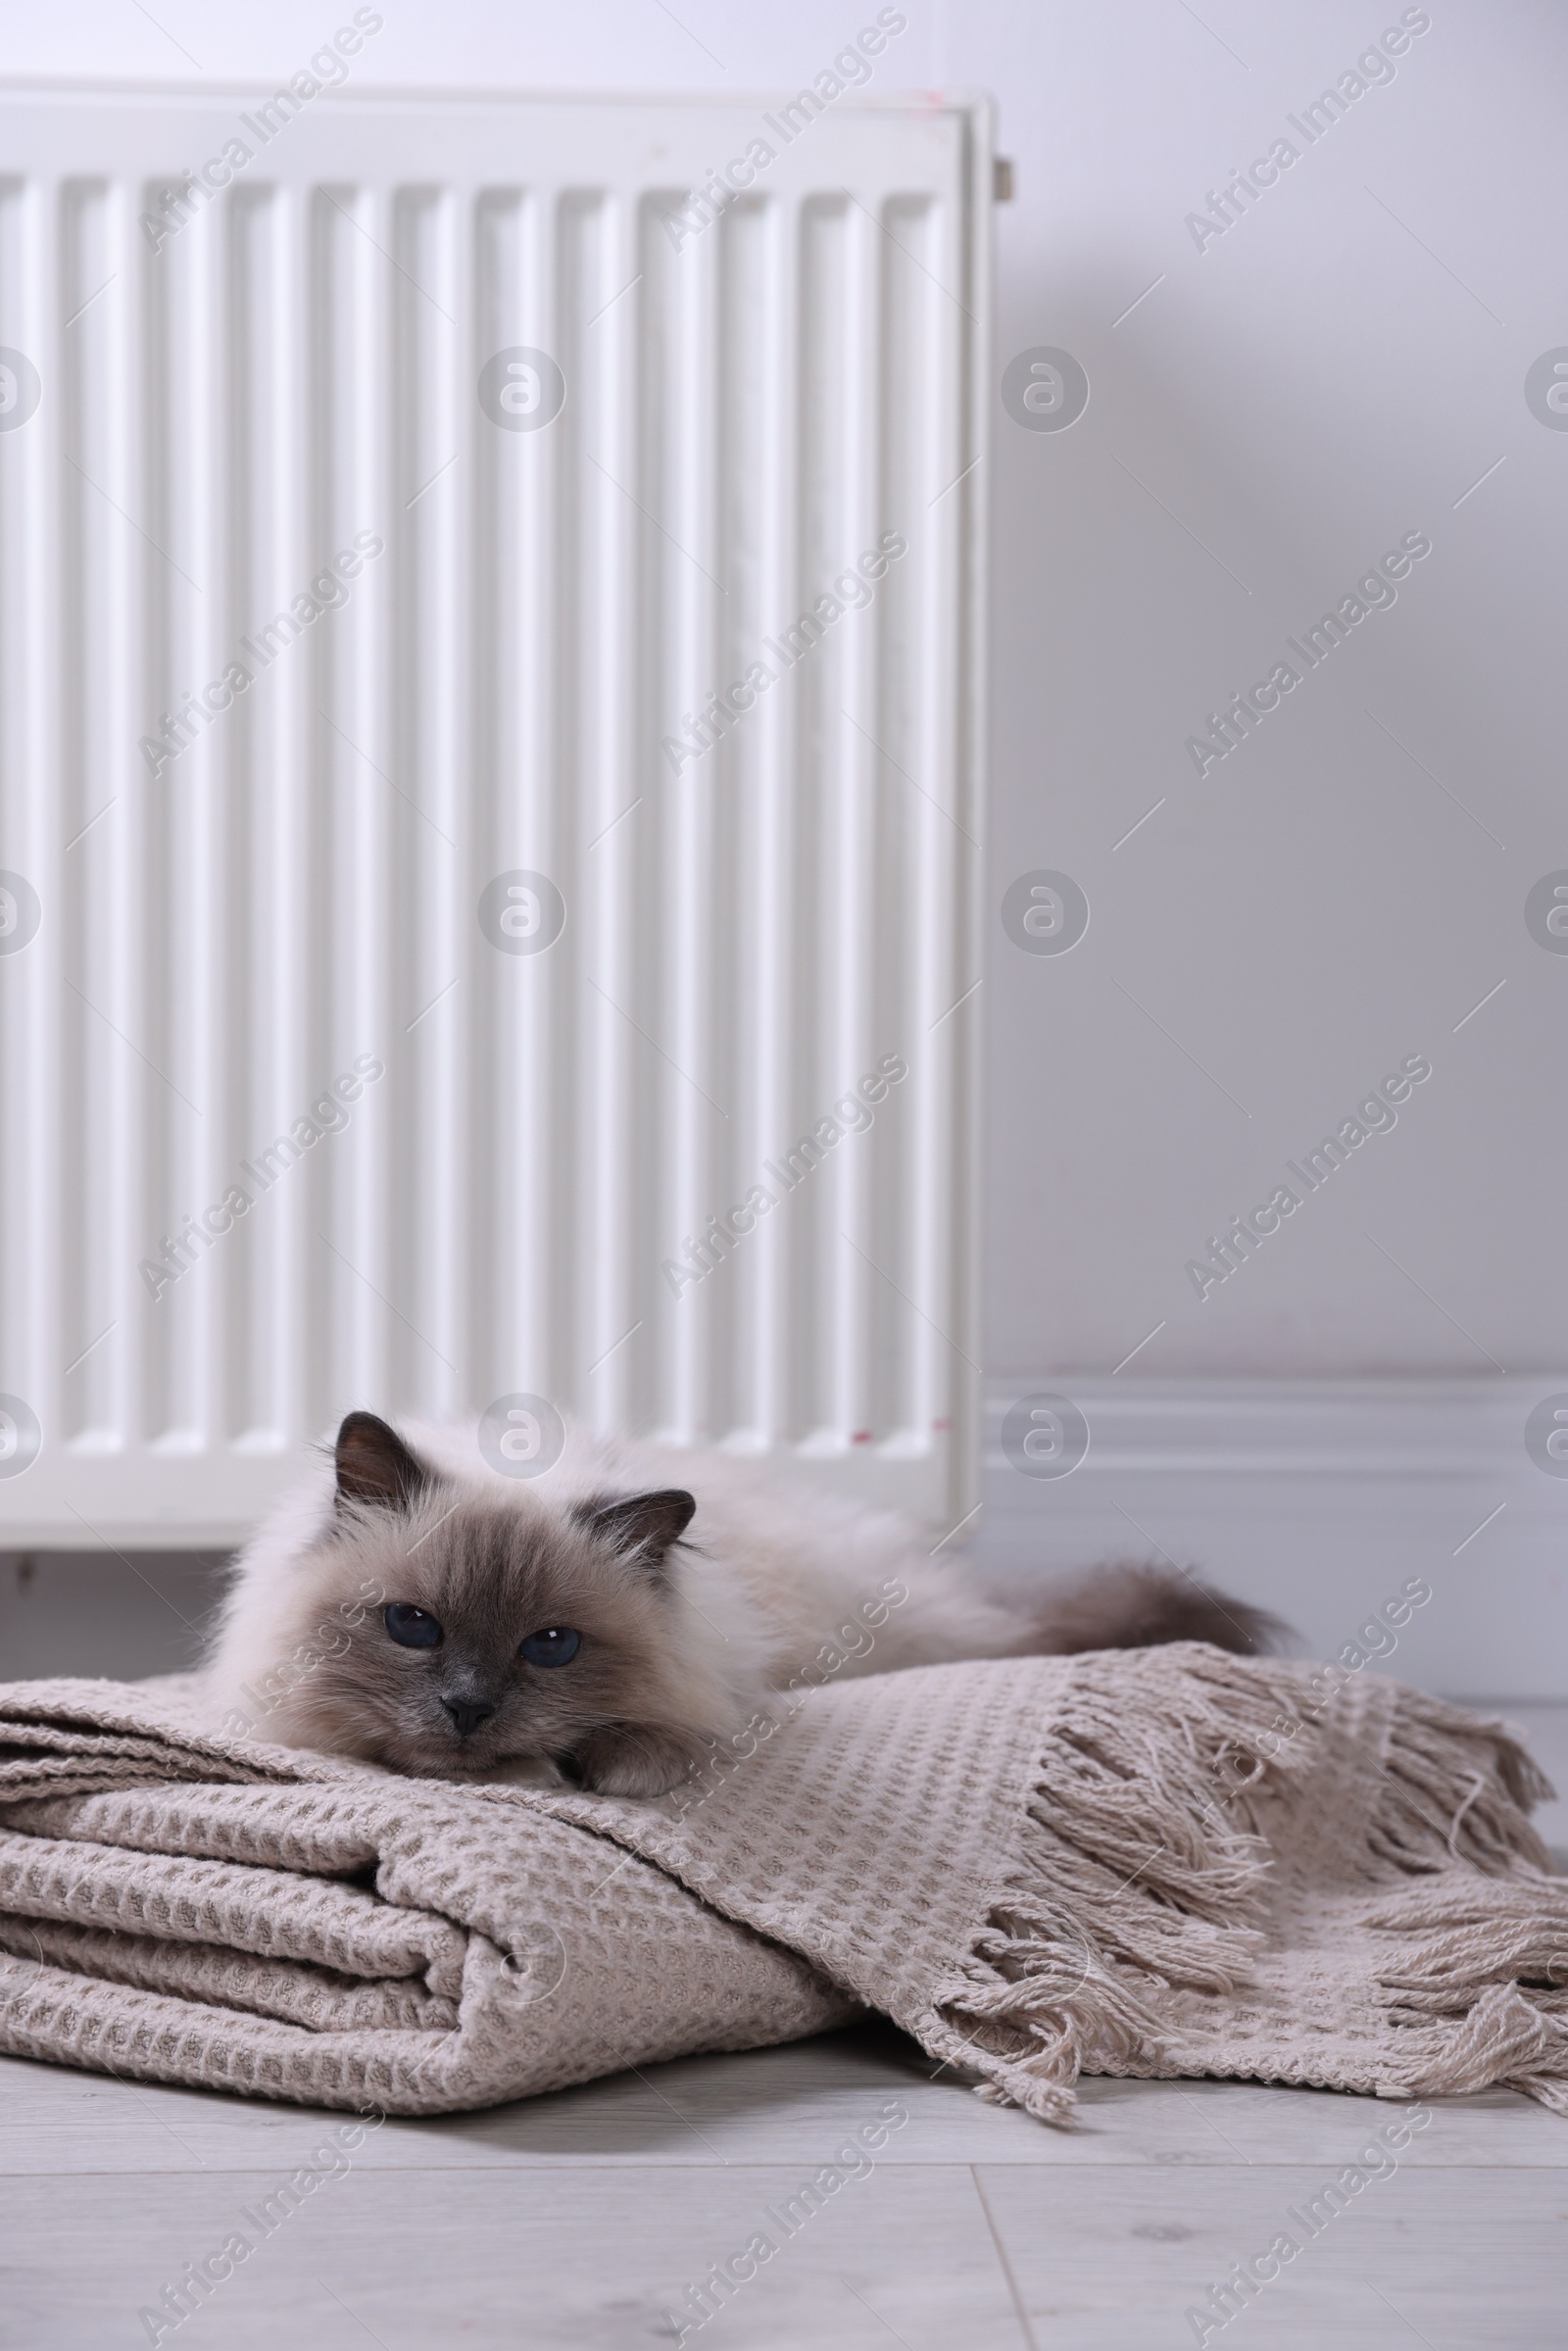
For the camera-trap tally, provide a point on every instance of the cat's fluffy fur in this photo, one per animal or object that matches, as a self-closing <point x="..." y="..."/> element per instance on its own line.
<point x="685" y="1627"/>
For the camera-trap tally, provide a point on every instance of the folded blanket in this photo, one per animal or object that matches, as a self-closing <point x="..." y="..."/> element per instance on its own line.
<point x="1155" y="1862"/>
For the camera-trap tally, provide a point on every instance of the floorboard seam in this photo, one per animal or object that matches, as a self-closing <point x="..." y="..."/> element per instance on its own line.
<point x="1003" y="2256"/>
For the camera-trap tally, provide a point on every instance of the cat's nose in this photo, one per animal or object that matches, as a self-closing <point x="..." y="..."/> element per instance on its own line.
<point x="468" y="1714"/>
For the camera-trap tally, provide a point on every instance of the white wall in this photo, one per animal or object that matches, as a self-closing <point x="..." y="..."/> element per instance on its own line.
<point x="1318" y="380"/>
<point x="1314" y="383"/>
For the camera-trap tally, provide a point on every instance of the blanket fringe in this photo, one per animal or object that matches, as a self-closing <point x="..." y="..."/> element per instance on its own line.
<point x="1473" y="1978"/>
<point x="1143" y="1869"/>
<point x="1474" y="1973"/>
<point x="1455" y="1787"/>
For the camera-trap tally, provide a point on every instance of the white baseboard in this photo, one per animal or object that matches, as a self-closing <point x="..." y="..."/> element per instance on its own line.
<point x="1318" y="1499"/>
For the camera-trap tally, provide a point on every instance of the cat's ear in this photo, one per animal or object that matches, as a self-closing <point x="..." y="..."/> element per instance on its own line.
<point x="375" y="1466"/>
<point x="645" y="1526"/>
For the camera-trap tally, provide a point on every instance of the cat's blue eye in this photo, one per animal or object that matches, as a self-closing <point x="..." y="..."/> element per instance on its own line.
<point x="558" y="1645"/>
<point x="411" y="1628"/>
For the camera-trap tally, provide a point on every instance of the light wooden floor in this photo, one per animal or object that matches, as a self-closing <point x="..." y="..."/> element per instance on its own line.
<point x="580" y="2220"/>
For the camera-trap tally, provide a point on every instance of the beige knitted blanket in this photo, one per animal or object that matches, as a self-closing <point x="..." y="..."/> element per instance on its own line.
<point x="1157" y="1862"/>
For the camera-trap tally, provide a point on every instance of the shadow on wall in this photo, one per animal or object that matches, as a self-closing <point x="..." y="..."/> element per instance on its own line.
<point x="92" y="1613"/>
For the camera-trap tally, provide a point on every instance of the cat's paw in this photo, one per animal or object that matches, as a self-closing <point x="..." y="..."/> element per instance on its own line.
<point x="635" y="1759"/>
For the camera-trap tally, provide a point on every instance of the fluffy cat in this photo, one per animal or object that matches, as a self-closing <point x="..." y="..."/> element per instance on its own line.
<point x="608" y="1621"/>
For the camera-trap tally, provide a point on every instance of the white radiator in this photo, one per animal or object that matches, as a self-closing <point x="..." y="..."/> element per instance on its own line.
<point x="407" y="963"/>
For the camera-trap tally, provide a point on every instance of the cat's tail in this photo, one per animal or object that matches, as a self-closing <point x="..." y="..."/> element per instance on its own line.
<point x="1131" y="1608"/>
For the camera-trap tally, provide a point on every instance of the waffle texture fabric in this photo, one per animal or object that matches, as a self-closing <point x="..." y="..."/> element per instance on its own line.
<point x="1152" y="1862"/>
